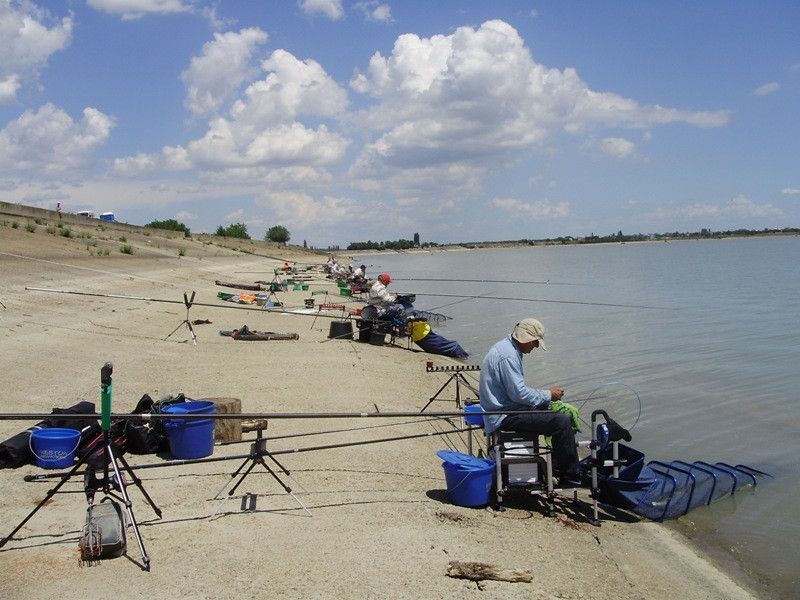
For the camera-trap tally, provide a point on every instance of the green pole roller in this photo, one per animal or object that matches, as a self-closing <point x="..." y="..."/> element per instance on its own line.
<point x="105" y="396"/>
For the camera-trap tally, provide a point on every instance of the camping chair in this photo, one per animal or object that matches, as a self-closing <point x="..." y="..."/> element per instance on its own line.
<point x="521" y="463"/>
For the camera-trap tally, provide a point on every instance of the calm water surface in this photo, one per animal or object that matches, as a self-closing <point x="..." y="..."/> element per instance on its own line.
<point x="716" y="371"/>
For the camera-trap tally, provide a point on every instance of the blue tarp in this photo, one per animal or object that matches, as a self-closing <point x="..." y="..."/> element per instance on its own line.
<point x="436" y="344"/>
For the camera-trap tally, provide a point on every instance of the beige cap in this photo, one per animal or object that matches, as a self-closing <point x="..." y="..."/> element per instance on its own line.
<point x="529" y="330"/>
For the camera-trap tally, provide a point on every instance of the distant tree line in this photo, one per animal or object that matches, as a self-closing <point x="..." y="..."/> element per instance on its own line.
<point x="171" y="225"/>
<point x="400" y="244"/>
<point x="704" y="233"/>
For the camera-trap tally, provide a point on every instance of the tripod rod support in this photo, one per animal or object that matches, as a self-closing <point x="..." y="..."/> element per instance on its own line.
<point x="105" y="396"/>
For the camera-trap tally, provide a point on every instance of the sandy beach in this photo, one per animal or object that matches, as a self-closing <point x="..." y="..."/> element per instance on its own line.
<point x="380" y="524"/>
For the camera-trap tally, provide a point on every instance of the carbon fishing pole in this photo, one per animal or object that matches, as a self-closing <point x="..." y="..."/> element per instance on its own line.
<point x="471" y="297"/>
<point x="188" y="461"/>
<point x="330" y="431"/>
<point x="274" y="415"/>
<point x="181" y="302"/>
<point x="548" y="282"/>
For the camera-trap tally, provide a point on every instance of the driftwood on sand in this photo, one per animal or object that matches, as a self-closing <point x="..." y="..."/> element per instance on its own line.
<point x="480" y="571"/>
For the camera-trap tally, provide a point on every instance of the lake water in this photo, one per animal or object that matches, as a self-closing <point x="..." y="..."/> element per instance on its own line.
<point x="716" y="371"/>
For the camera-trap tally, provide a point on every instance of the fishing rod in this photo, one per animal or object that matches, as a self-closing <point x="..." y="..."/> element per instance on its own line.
<point x="273" y="415"/>
<point x="548" y="282"/>
<point x="606" y="385"/>
<point x="181" y="302"/>
<point x="212" y="459"/>
<point x="471" y="297"/>
<point x="330" y="431"/>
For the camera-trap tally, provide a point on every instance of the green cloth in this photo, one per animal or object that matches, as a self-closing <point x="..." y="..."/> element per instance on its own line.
<point x="570" y="411"/>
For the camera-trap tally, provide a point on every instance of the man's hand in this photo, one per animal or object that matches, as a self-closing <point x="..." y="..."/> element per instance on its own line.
<point x="556" y="393"/>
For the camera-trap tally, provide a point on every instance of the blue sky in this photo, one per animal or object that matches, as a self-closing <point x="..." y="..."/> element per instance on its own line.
<point x="462" y="121"/>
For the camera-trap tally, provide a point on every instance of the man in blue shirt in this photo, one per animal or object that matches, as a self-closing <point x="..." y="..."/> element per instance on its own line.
<point x="502" y="387"/>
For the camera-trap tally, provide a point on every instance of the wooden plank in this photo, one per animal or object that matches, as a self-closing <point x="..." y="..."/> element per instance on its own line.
<point x="479" y="571"/>
<point x="227" y="430"/>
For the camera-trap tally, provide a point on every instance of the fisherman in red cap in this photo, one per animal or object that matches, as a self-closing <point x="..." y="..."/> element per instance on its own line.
<point x="378" y="295"/>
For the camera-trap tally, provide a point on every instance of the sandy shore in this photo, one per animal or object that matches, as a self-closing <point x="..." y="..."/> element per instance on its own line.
<point x="380" y="525"/>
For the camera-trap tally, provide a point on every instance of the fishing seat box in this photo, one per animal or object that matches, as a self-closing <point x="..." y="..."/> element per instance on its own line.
<point x="521" y="463"/>
<point x="107" y="517"/>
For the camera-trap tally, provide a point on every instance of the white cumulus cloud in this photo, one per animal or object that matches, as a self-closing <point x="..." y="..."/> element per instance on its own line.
<point x="532" y="210"/>
<point x="767" y="88"/>
<point x="375" y="11"/>
<point x="264" y="128"/>
<point x="329" y="8"/>
<point x="617" y="147"/>
<point x="29" y="35"/>
<point x="790" y="191"/>
<point x="744" y="207"/>
<point x="222" y="66"/>
<point x="50" y="141"/>
<point x="478" y="94"/>
<point x="740" y="206"/>
<point x="135" y="9"/>
<point x="185" y="215"/>
<point x="296" y="209"/>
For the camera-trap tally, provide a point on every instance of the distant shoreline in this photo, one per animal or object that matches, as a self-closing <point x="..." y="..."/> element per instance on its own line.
<point x="467" y="246"/>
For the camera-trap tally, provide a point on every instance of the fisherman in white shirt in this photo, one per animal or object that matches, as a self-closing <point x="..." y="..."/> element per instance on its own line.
<point x="378" y="294"/>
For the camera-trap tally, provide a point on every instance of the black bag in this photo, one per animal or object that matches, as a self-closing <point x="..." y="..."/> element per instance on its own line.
<point x="148" y="437"/>
<point x="16" y="451"/>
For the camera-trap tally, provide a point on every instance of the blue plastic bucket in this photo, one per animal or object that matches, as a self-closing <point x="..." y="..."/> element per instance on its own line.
<point x="473" y="420"/>
<point x="469" y="478"/>
<point x="55" y="447"/>
<point x="190" y="438"/>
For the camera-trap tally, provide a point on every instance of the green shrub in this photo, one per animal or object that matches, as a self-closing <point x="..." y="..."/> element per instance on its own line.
<point x="66" y="232"/>
<point x="39" y="221"/>
<point x="104" y="252"/>
<point x="181" y="251"/>
<point x="123" y="239"/>
<point x="237" y="230"/>
<point x="14" y="225"/>
<point x="126" y="249"/>
<point x="170" y="224"/>
<point x="51" y="230"/>
<point x="30" y="227"/>
<point x="278" y="234"/>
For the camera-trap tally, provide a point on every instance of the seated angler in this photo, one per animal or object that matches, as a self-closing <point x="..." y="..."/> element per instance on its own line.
<point x="359" y="274"/>
<point x="503" y="387"/>
<point x="384" y="303"/>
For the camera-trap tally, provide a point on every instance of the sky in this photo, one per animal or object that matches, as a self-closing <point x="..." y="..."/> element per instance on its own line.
<point x="370" y="120"/>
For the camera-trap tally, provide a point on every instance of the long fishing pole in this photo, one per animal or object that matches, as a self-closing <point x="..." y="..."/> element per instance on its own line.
<point x="181" y="462"/>
<point x="273" y="415"/>
<point x="330" y="431"/>
<point x="547" y="282"/>
<point x="471" y="297"/>
<point x="181" y="302"/>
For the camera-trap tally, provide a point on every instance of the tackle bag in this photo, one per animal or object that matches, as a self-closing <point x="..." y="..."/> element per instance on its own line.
<point x="103" y="535"/>
<point x="16" y="451"/>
